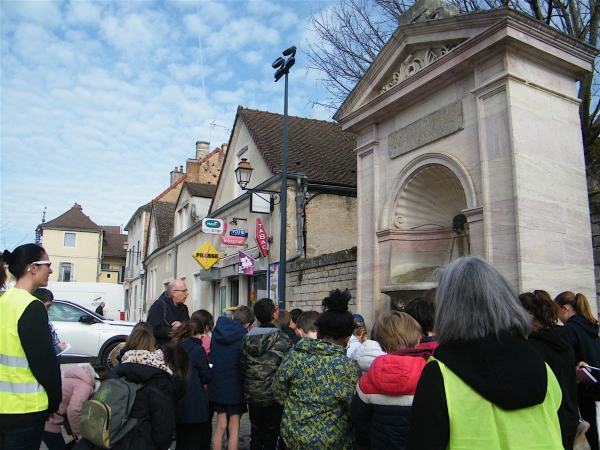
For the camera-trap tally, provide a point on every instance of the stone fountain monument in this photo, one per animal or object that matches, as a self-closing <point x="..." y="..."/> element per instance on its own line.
<point x="469" y="143"/>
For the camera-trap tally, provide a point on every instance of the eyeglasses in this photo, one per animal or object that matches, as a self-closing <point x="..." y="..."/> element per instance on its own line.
<point x="180" y="290"/>
<point x="40" y="263"/>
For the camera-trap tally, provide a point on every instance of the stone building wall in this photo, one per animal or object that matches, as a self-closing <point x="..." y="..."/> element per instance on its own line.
<point x="310" y="280"/>
<point x="595" y="220"/>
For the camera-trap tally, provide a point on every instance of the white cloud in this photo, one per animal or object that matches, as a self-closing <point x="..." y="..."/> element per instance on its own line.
<point x="42" y="12"/>
<point x="80" y="13"/>
<point x="100" y="104"/>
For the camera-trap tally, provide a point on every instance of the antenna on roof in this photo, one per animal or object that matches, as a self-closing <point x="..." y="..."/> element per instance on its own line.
<point x="212" y="125"/>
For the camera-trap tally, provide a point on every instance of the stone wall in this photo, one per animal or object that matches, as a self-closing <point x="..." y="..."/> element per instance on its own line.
<point x="595" y="219"/>
<point x="310" y="280"/>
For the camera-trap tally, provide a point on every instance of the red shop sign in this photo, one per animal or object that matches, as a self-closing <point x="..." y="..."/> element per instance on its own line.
<point x="261" y="238"/>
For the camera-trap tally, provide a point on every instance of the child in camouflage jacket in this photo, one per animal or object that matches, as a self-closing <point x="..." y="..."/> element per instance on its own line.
<point x="316" y="382"/>
<point x="261" y="353"/>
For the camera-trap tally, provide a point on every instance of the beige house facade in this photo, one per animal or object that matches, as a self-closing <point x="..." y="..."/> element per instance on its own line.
<point x="81" y="250"/>
<point x="321" y="214"/>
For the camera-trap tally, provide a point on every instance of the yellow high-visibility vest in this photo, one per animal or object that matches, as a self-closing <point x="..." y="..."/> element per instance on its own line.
<point x="477" y="423"/>
<point x="20" y="392"/>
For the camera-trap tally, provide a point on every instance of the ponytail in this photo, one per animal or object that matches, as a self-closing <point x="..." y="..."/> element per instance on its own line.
<point x="18" y="261"/>
<point x="580" y="305"/>
<point x="186" y="330"/>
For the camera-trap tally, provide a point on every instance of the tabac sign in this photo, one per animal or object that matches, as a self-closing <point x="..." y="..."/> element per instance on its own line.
<point x="206" y="255"/>
<point x="261" y="238"/>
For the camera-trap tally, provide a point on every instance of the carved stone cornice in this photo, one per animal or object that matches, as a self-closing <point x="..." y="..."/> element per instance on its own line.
<point x="415" y="62"/>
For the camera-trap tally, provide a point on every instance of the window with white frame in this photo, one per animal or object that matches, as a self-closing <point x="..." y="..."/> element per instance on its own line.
<point x="69" y="240"/>
<point x="105" y="266"/>
<point x="65" y="271"/>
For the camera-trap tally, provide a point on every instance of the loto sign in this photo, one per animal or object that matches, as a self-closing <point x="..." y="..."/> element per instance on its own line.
<point x="206" y="255"/>
<point x="261" y="238"/>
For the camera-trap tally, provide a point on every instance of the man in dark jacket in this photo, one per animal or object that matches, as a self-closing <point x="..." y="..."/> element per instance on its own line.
<point x="261" y="353"/>
<point x="167" y="313"/>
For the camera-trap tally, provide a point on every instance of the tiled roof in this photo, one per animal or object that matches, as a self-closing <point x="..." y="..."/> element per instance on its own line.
<point x="73" y="219"/>
<point x="170" y="188"/>
<point x="165" y="214"/>
<point x="317" y="148"/>
<point x="113" y="242"/>
<point x="201" y="190"/>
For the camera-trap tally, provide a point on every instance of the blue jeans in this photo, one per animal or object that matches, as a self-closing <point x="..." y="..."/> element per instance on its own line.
<point x="29" y="438"/>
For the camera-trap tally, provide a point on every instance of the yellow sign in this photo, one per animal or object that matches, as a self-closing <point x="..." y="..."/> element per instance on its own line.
<point x="206" y="255"/>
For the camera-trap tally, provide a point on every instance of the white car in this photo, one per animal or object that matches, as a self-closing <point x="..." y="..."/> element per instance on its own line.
<point x="91" y="336"/>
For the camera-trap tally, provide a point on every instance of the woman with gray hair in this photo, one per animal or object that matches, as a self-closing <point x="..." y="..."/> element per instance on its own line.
<point x="485" y="387"/>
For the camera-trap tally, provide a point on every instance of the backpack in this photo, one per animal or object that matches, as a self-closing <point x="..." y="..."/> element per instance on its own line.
<point x="105" y="418"/>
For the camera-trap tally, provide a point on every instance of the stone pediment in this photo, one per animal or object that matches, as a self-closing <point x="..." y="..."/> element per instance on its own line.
<point x="415" y="61"/>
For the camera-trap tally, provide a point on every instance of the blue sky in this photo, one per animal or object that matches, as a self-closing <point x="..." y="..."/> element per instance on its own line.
<point x="100" y="100"/>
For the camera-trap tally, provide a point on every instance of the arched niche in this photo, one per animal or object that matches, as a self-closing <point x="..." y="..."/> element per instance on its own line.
<point x="417" y="195"/>
<point x="417" y="226"/>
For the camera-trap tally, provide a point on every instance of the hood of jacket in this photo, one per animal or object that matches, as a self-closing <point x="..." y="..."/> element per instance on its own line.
<point x="556" y="338"/>
<point x="189" y="344"/>
<point x="394" y="374"/>
<point x="319" y="346"/>
<point x="83" y="372"/>
<point x="228" y="331"/>
<point x="581" y="322"/>
<point x="261" y="340"/>
<point x="151" y="359"/>
<point x="504" y="369"/>
<point x="366" y="353"/>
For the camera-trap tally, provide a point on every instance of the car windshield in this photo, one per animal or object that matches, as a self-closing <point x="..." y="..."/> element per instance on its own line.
<point x="63" y="312"/>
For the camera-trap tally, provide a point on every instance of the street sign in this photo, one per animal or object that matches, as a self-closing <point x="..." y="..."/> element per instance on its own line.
<point x="206" y="255"/>
<point x="230" y="241"/>
<point x="241" y="232"/>
<point x="212" y="226"/>
<point x="261" y="238"/>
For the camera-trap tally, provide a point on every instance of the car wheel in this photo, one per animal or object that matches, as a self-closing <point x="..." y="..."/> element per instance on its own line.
<point x="114" y="347"/>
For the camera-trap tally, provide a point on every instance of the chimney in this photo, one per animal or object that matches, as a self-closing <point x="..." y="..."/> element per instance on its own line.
<point x="176" y="174"/>
<point x="202" y="150"/>
<point x="224" y="147"/>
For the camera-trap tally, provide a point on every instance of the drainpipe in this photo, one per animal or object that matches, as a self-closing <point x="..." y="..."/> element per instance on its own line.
<point x="300" y="197"/>
<point x="175" y="261"/>
<point x="100" y="257"/>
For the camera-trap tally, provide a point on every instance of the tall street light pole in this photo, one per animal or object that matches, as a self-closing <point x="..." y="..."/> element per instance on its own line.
<point x="283" y="67"/>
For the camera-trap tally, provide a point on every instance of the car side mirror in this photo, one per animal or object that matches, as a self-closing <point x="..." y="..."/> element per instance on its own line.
<point x="87" y="319"/>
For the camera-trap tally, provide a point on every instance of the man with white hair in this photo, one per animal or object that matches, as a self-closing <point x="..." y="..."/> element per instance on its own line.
<point x="169" y="311"/>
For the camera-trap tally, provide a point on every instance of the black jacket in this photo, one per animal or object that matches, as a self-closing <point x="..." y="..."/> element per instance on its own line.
<point x="505" y="370"/>
<point x="154" y="403"/>
<point x="162" y="314"/>
<point x="554" y="346"/>
<point x="584" y="337"/>
<point x="193" y="408"/>
<point x="291" y="334"/>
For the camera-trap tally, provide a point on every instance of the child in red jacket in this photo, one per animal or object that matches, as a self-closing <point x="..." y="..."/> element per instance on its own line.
<point x="385" y="393"/>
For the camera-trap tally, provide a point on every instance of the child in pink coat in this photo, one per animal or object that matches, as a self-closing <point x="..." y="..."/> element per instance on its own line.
<point x="78" y="385"/>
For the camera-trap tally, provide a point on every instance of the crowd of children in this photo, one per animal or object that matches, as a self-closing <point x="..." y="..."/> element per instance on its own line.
<point x="470" y="351"/>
